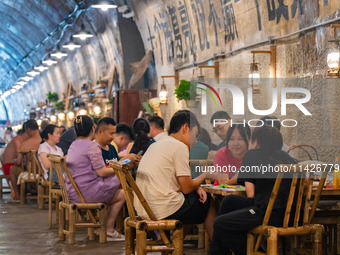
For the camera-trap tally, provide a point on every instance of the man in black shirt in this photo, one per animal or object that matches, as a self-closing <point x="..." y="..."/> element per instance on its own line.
<point x="66" y="139"/>
<point x="105" y="134"/>
<point x="237" y="214"/>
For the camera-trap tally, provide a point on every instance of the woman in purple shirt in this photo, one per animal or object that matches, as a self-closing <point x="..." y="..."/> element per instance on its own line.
<point x="96" y="182"/>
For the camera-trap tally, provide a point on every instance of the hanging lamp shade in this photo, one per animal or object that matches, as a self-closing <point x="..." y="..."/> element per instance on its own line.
<point x="83" y="35"/>
<point x="71" y="45"/>
<point x="104" y="5"/>
<point x="59" y="54"/>
<point x="33" y="73"/>
<point x="40" y="68"/>
<point x="49" y="61"/>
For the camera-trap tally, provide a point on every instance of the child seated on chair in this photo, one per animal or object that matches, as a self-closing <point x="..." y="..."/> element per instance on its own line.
<point x="96" y="182"/>
<point x="237" y="214"/>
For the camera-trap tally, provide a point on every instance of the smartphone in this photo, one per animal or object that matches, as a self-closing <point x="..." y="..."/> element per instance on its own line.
<point x="140" y="153"/>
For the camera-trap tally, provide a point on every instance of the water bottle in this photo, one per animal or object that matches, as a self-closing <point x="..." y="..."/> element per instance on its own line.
<point x="336" y="174"/>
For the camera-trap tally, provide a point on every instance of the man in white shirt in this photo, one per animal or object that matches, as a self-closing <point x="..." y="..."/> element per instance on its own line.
<point x="164" y="178"/>
<point x="157" y="128"/>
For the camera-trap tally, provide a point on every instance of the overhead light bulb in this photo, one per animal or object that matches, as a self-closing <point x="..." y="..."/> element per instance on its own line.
<point x="71" y="46"/>
<point x="41" y="68"/>
<point x="50" y="62"/>
<point x="21" y="83"/>
<point x="26" y="78"/>
<point x="33" y="73"/>
<point x="83" y="35"/>
<point x="104" y="5"/>
<point x="59" y="54"/>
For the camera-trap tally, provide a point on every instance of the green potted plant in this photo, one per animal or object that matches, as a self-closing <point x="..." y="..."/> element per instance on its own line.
<point x="59" y="106"/>
<point x="52" y="97"/>
<point x="187" y="91"/>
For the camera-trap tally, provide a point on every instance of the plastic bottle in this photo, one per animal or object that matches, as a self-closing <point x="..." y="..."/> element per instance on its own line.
<point x="336" y="174"/>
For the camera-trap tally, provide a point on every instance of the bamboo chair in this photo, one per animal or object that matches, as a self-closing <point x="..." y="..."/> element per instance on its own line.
<point x="33" y="174"/>
<point x="53" y="193"/>
<point x="2" y="177"/>
<point x="43" y="186"/>
<point x="201" y="236"/>
<point x="93" y="215"/>
<point x="272" y="233"/>
<point x="2" y="187"/>
<point x="142" y="226"/>
<point x="308" y="150"/>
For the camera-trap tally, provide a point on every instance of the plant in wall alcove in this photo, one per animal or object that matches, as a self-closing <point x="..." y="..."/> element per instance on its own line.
<point x="52" y="97"/>
<point x="59" y="106"/>
<point x="187" y="91"/>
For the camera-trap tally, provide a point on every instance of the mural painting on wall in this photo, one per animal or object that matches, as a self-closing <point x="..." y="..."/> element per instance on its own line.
<point x="186" y="31"/>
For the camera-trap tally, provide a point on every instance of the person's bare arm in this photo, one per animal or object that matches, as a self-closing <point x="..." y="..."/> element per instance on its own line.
<point x="133" y="158"/>
<point x="250" y="189"/>
<point x="17" y="152"/>
<point x="105" y="172"/>
<point x="188" y="185"/>
<point x="44" y="160"/>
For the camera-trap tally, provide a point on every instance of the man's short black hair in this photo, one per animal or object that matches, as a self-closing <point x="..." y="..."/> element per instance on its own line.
<point x="9" y="129"/>
<point x="268" y="121"/>
<point x="124" y="129"/>
<point x="105" y="122"/>
<point x="181" y="118"/>
<point x="31" y="124"/>
<point x="268" y="138"/>
<point x="157" y="121"/>
<point x="222" y="115"/>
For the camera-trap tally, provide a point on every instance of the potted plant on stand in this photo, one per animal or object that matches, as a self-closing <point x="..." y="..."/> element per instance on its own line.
<point x="187" y="91"/>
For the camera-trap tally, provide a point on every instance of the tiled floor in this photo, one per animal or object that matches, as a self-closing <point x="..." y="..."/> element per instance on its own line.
<point x="24" y="230"/>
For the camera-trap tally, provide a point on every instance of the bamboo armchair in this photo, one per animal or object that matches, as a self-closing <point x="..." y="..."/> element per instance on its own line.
<point x="7" y="178"/>
<point x="49" y="190"/>
<point x="141" y="226"/>
<point x="2" y="187"/>
<point x="201" y="236"/>
<point x="93" y="215"/>
<point x="34" y="172"/>
<point x="272" y="233"/>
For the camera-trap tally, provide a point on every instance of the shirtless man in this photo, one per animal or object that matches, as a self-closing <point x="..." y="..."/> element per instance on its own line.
<point x="29" y="140"/>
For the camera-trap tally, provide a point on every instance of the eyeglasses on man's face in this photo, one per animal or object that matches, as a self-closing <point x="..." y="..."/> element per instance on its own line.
<point x="218" y="128"/>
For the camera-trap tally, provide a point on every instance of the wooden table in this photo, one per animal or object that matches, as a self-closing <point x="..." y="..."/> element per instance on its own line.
<point x="216" y="190"/>
<point x="329" y="194"/>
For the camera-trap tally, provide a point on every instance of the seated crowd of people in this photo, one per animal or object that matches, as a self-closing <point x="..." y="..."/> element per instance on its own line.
<point x="160" y="162"/>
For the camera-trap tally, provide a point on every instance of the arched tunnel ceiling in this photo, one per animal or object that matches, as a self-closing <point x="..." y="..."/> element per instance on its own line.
<point x="29" y="29"/>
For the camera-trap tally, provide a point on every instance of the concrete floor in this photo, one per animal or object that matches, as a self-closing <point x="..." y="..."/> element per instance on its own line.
<point x="24" y="230"/>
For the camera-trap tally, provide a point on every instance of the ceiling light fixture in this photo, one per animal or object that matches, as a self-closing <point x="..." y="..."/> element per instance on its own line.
<point x="41" y="68"/>
<point x="83" y="35"/>
<point x="49" y="62"/>
<point x="105" y="5"/>
<point x="59" y="54"/>
<point x="71" y="46"/>
<point x="33" y="73"/>
<point x="26" y="78"/>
